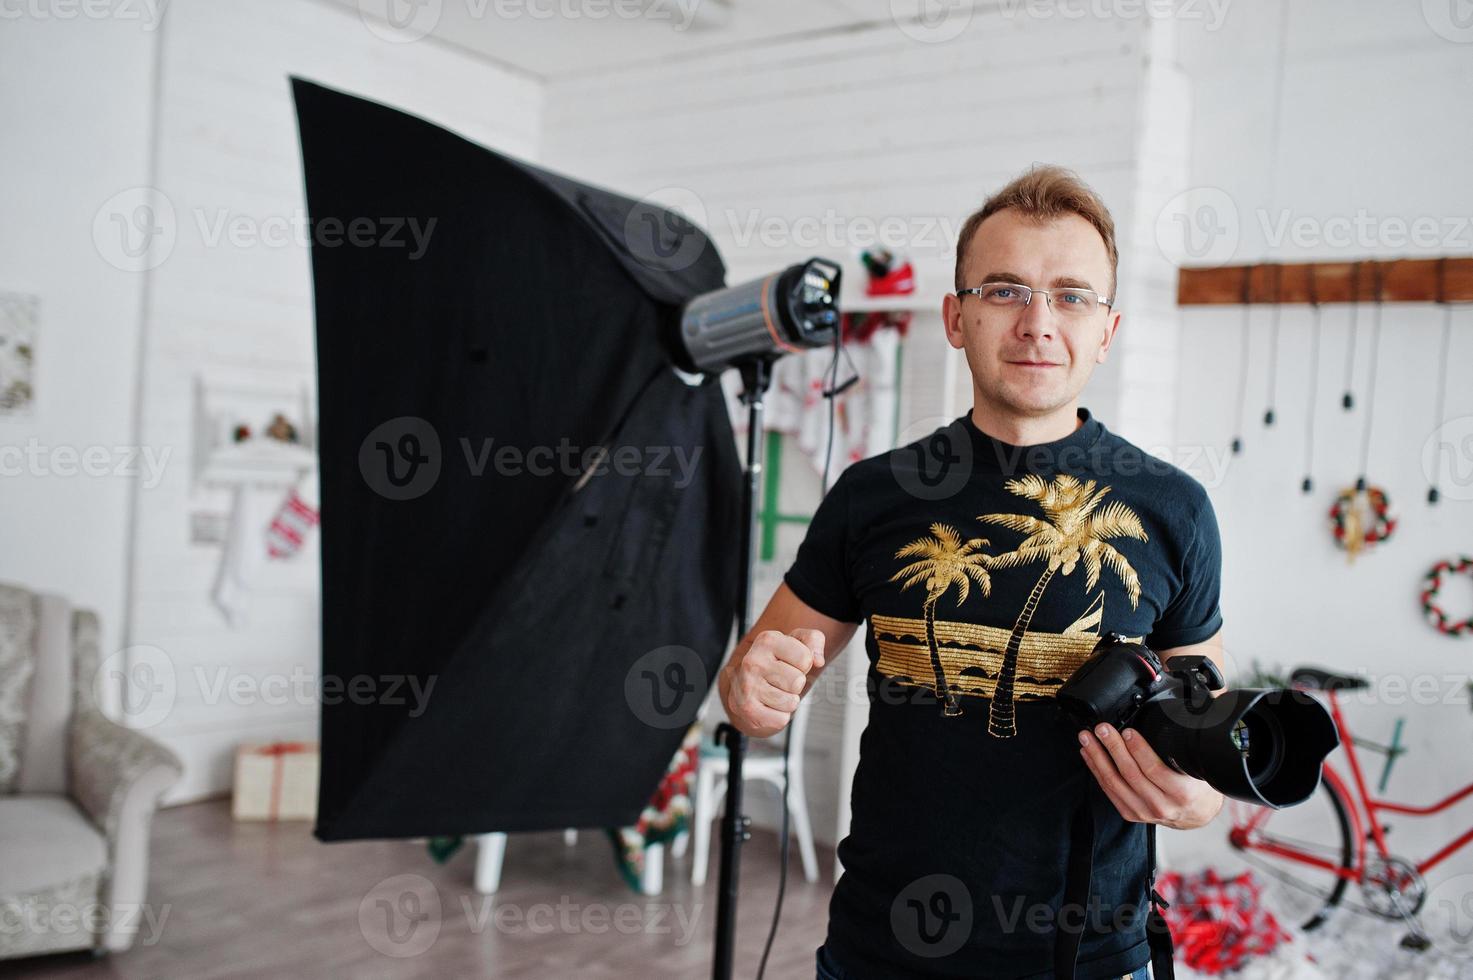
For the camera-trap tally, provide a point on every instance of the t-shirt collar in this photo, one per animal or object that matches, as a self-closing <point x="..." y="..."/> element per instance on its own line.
<point x="1069" y="453"/>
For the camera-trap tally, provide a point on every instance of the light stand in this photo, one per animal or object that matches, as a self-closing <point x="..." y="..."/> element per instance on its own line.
<point x="735" y="827"/>
<point x="749" y="326"/>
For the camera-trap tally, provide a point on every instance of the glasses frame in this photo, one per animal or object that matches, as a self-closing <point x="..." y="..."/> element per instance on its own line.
<point x="1029" y="291"/>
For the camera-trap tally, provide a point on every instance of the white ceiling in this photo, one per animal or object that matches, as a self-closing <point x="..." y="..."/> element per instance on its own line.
<point x="558" y="38"/>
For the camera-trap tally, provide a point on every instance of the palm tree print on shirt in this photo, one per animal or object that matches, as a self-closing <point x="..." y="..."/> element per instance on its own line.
<point x="1074" y="528"/>
<point x="944" y="560"/>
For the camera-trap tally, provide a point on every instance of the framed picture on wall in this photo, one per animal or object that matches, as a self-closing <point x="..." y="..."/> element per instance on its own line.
<point x="19" y="317"/>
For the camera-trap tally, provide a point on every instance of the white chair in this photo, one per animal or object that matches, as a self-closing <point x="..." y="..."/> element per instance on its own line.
<point x="77" y="790"/>
<point x="765" y="767"/>
<point x="491" y="852"/>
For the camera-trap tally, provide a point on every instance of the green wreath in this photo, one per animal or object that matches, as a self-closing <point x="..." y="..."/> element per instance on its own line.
<point x="1435" y="613"/>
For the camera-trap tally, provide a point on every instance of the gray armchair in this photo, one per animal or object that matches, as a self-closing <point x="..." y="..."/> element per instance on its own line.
<point x="77" y="790"/>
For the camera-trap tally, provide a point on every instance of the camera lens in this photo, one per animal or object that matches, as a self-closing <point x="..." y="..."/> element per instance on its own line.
<point x="1260" y="738"/>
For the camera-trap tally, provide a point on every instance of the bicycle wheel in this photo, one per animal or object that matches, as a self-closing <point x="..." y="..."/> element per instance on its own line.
<point x="1295" y="890"/>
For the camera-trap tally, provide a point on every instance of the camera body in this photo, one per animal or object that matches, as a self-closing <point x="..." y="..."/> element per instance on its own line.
<point x="1120" y="677"/>
<point x="1263" y="746"/>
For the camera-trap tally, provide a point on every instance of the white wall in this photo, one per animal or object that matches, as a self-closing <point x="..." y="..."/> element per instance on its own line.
<point x="65" y="531"/>
<point x="242" y="314"/>
<point x="1373" y="124"/>
<point x="816" y="145"/>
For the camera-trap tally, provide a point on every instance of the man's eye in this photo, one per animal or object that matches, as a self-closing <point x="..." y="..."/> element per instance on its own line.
<point x="1074" y="297"/>
<point x="1001" y="292"/>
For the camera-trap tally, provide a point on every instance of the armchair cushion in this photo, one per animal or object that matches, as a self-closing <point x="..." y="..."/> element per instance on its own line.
<point x="46" y="842"/>
<point x="52" y="866"/>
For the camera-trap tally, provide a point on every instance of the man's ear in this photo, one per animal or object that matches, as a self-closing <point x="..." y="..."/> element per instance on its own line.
<point x="951" y="318"/>
<point x="1112" y="324"/>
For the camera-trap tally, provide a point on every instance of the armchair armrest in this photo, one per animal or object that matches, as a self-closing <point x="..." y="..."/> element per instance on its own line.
<point x="107" y="760"/>
<point x="116" y="775"/>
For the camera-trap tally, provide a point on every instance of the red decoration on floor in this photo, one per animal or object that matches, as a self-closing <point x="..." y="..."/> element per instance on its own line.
<point x="1217" y="923"/>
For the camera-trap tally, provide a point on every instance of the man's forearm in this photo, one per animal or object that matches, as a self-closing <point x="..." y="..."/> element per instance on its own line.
<point x="723" y="686"/>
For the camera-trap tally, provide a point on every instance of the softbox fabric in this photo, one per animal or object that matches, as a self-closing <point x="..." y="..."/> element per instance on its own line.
<point x="529" y="520"/>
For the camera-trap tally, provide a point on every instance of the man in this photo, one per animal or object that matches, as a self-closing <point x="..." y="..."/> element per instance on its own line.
<point x="988" y="559"/>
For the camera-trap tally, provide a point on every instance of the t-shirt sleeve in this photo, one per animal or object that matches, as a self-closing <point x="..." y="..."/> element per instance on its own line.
<point x="820" y="575"/>
<point x="1193" y="613"/>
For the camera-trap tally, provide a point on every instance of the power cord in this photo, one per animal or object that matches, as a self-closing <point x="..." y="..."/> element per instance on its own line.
<point x="831" y="392"/>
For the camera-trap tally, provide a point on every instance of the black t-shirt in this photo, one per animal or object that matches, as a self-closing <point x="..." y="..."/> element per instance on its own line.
<point x="998" y="565"/>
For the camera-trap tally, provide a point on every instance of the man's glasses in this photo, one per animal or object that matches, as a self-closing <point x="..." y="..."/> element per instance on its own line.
<point x="1069" y="300"/>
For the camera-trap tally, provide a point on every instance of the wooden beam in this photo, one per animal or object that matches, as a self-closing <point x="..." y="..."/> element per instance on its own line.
<point x="1401" y="281"/>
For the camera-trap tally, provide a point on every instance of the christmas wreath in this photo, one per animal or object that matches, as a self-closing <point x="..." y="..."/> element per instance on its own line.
<point x="1435" y="613"/>
<point x="1354" y="529"/>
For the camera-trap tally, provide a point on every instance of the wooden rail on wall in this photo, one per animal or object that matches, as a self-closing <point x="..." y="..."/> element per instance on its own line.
<point x="1401" y="281"/>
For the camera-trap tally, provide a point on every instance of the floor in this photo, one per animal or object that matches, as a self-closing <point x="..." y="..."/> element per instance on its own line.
<point x="233" y="899"/>
<point x="256" y="900"/>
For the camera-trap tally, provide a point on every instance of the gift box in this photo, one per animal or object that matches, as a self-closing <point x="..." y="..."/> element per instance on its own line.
<point x="276" y="781"/>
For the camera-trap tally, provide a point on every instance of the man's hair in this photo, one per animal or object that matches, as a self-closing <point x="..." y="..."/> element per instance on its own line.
<point x="1043" y="193"/>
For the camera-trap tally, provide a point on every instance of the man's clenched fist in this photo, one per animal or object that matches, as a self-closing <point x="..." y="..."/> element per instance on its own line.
<point x="761" y="688"/>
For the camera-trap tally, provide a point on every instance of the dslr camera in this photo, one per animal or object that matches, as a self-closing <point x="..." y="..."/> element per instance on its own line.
<point x="1263" y="746"/>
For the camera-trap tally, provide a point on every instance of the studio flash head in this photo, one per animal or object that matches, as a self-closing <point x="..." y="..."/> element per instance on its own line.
<point x="782" y="313"/>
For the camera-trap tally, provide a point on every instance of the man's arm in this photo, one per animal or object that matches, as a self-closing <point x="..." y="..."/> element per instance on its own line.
<point x="1211" y="647"/>
<point x="777" y="662"/>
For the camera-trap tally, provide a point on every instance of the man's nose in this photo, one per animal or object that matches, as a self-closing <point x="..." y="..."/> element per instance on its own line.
<point x="1036" y="321"/>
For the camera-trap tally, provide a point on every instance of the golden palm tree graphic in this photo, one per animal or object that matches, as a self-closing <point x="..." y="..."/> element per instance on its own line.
<point x="1076" y="528"/>
<point x="945" y="560"/>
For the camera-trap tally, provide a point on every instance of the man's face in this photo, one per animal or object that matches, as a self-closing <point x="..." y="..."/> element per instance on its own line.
<point x="1031" y="362"/>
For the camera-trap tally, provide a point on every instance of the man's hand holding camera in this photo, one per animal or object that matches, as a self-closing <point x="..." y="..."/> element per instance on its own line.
<point x="762" y="688"/>
<point x="1141" y="785"/>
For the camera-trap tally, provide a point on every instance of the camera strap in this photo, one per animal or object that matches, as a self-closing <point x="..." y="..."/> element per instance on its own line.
<point x="1076" y="889"/>
<point x="1158" y="934"/>
<point x="1076" y="895"/>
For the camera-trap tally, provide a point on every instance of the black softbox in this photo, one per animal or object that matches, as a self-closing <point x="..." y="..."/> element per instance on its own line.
<point x="529" y="520"/>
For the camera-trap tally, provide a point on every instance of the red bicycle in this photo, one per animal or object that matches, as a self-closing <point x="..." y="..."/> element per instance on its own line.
<point x="1337" y="838"/>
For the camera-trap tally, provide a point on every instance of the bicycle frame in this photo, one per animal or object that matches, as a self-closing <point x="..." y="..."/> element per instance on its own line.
<point x="1355" y="802"/>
